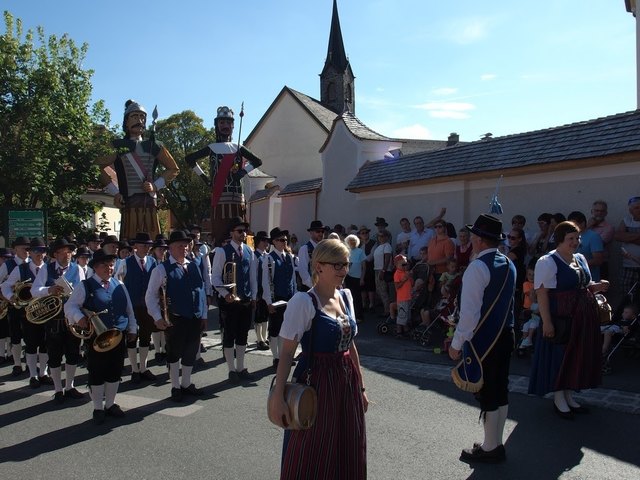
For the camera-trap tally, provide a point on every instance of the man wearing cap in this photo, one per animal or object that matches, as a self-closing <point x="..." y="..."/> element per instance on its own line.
<point x="186" y="317"/>
<point x="106" y="295"/>
<point x="135" y="272"/>
<point x="59" y="339"/>
<point x="135" y="162"/>
<point x="34" y="335"/>
<point x="316" y="233"/>
<point x="236" y="304"/>
<point x="196" y="230"/>
<point x="278" y="286"/>
<point x="228" y="163"/>
<point x="21" y="248"/>
<point x="261" y="315"/>
<point x="484" y="336"/>
<point x="628" y="233"/>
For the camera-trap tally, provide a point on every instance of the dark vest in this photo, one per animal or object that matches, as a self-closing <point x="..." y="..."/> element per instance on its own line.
<point x="11" y="264"/>
<point x="243" y="285"/>
<point x="114" y="301"/>
<point x="25" y="272"/>
<point x="72" y="274"/>
<point x="136" y="280"/>
<point x="283" y="278"/>
<point x="185" y="290"/>
<point x="259" y="257"/>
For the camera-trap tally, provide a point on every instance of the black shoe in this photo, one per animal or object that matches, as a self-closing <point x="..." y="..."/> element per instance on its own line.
<point x="579" y="409"/>
<point x="58" y="397"/>
<point x="203" y="349"/>
<point x="262" y="346"/>
<point x="477" y="454"/>
<point x="199" y="364"/>
<point x="45" y="380"/>
<point x="135" y="377"/>
<point x="176" y="394"/>
<point x="148" y="375"/>
<point x="245" y="375"/>
<point x="192" y="390"/>
<point x="98" y="417"/>
<point x="74" y="394"/>
<point x="34" y="382"/>
<point x="16" y="371"/>
<point x="234" y="377"/>
<point x="276" y="361"/>
<point x="115" y="411"/>
<point x="565" y="415"/>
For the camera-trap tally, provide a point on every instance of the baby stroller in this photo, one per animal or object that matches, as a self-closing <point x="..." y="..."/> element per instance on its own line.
<point x="627" y="341"/>
<point x="389" y="324"/>
<point x="446" y="318"/>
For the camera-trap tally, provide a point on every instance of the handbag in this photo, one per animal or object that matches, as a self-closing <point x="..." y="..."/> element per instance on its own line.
<point x="301" y="398"/>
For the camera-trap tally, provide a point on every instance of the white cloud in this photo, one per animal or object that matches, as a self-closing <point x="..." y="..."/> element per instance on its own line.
<point x="415" y="131"/>
<point x="468" y="30"/>
<point x="449" y="114"/>
<point x="453" y="110"/>
<point x="488" y="76"/>
<point x="444" y="91"/>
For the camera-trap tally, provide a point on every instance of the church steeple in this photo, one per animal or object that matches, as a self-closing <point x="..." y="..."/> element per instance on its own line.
<point x="337" y="91"/>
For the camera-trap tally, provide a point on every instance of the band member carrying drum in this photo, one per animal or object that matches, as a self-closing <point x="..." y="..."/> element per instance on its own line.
<point x="58" y="279"/>
<point x="103" y="303"/>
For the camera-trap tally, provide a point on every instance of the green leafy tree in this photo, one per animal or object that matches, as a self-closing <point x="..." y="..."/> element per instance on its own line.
<point x="49" y="132"/>
<point x="188" y="197"/>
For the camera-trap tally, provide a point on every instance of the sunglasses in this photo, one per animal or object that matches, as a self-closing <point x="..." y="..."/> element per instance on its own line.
<point x="240" y="230"/>
<point x="280" y="240"/>
<point x="338" y="265"/>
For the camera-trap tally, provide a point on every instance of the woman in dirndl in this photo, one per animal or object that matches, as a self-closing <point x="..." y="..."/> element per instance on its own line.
<point x="564" y="289"/>
<point x="322" y="320"/>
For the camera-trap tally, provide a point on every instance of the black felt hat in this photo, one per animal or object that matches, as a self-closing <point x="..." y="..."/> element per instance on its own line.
<point x="277" y="233"/>
<point x="21" y="241"/>
<point x="59" y="243"/>
<point x="110" y="239"/>
<point x="261" y="236"/>
<point x="236" y="222"/>
<point x="487" y="226"/>
<point x="381" y="222"/>
<point x="100" y="256"/>
<point x="315" y="225"/>
<point x="142" y="237"/>
<point x="178" y="236"/>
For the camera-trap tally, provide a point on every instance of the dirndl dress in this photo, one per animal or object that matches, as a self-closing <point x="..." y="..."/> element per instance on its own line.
<point x="577" y="364"/>
<point x="335" y="447"/>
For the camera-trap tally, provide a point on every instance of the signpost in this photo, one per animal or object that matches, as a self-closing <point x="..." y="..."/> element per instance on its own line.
<point x="28" y="222"/>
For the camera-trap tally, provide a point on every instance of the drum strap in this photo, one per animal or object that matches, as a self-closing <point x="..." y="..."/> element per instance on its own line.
<point x="314" y="300"/>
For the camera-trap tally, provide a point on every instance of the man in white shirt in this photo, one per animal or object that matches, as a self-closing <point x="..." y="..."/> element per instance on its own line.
<point x="316" y="233"/>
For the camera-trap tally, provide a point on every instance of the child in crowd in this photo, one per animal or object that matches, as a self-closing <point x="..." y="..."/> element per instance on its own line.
<point x="530" y="309"/>
<point x="451" y="276"/>
<point x="444" y="309"/>
<point x="403" y="281"/>
<point x="620" y="326"/>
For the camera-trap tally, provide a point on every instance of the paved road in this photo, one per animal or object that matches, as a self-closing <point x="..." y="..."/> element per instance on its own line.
<point x="417" y="425"/>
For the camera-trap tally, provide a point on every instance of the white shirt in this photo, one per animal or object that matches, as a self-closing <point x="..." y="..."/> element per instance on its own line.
<point x="73" y="307"/>
<point x="4" y="273"/>
<point x="419" y="240"/>
<point x="303" y="264"/>
<point x="14" y="277"/>
<point x="378" y="256"/>
<point x="39" y="288"/>
<point x="546" y="270"/>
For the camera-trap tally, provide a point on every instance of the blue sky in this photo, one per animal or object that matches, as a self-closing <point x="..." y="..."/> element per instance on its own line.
<point x="424" y="68"/>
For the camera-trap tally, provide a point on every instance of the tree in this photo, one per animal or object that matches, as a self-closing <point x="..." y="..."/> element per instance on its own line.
<point x="49" y="133"/>
<point x="188" y="197"/>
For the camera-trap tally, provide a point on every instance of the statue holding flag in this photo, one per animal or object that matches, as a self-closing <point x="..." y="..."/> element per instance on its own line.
<point x="135" y="162"/>
<point x="229" y="163"/>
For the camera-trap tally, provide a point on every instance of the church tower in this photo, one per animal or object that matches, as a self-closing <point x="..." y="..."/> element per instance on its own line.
<point x="337" y="91"/>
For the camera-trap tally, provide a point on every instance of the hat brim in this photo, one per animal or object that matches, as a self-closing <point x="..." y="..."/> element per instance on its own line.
<point x="482" y="233"/>
<point x="321" y="227"/>
<point x="105" y="259"/>
<point x="70" y="246"/>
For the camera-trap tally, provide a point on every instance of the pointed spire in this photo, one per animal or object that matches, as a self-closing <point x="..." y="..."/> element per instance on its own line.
<point x="336" y="55"/>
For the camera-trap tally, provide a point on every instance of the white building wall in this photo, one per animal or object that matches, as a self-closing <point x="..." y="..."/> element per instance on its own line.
<point x="297" y="213"/>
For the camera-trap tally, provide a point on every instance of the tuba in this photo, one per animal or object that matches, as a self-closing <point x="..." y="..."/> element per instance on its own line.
<point x="21" y="294"/>
<point x="41" y="310"/>
<point x="106" y="338"/>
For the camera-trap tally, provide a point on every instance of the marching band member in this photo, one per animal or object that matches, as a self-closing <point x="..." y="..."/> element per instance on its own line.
<point x="135" y="272"/>
<point x="186" y="317"/>
<point x="278" y="285"/>
<point x="34" y="335"/>
<point x="83" y="255"/>
<point x="99" y="293"/>
<point x="261" y="317"/>
<point x="5" y="333"/>
<point x="236" y="309"/>
<point x="21" y="248"/>
<point x="93" y="243"/>
<point x="60" y="341"/>
<point x="316" y="232"/>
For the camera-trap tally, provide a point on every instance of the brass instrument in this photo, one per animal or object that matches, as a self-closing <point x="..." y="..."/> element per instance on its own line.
<point x="79" y="332"/>
<point x="164" y="305"/>
<point x="229" y="277"/>
<point x="21" y="294"/>
<point x="106" y="338"/>
<point x="4" y="308"/>
<point x="41" y="310"/>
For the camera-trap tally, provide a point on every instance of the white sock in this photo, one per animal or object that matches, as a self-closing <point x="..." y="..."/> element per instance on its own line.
<point x="502" y="412"/>
<point x="70" y="374"/>
<point x="43" y="359"/>
<point x="5" y="346"/>
<point x="570" y="401"/>
<point x="132" y="353"/>
<point x="110" y="390"/>
<point x="16" y="352"/>
<point x="32" y="364"/>
<point x="560" y="401"/>
<point x="157" y="341"/>
<point x="273" y="345"/>
<point x="163" y="342"/>
<point x="186" y="376"/>
<point x="240" y="349"/>
<point x="228" y="356"/>
<point x="144" y="353"/>
<point x="96" y="392"/>
<point x="258" y="330"/>
<point x="174" y="374"/>
<point x="56" y="376"/>
<point x="264" y="331"/>
<point x="491" y="421"/>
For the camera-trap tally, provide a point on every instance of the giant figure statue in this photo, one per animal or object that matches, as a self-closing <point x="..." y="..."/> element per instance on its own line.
<point x="135" y="162"/>
<point x="228" y="164"/>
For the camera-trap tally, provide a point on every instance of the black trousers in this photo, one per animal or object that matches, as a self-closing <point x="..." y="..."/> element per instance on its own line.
<point x="276" y="318"/>
<point x="61" y="342"/>
<point x="237" y="322"/>
<point x="146" y="327"/>
<point x="34" y="337"/>
<point x="105" y="366"/>
<point x="353" y="284"/>
<point x="15" y="317"/>
<point x="262" y="314"/>
<point x="495" y="367"/>
<point x="183" y="340"/>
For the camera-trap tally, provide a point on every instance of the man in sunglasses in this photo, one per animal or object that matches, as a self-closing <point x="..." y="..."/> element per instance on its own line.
<point x="228" y="163"/>
<point x="316" y="233"/>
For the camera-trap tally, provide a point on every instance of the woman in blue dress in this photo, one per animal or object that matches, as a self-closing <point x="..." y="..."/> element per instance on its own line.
<point x="335" y="447"/>
<point x="564" y="289"/>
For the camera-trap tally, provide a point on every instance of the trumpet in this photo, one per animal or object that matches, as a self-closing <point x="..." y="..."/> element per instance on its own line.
<point x="41" y="310"/>
<point x="164" y="305"/>
<point x="21" y="294"/>
<point x="229" y="277"/>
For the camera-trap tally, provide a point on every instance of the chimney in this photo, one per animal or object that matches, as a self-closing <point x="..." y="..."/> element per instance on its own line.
<point x="453" y="139"/>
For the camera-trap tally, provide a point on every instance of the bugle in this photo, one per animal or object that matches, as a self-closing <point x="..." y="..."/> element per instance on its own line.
<point x="106" y="338"/>
<point x="229" y="277"/>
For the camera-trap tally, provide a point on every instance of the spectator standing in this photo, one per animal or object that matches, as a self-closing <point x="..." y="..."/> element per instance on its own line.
<point x="599" y="224"/>
<point x="628" y="233"/>
<point x="590" y="244"/>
